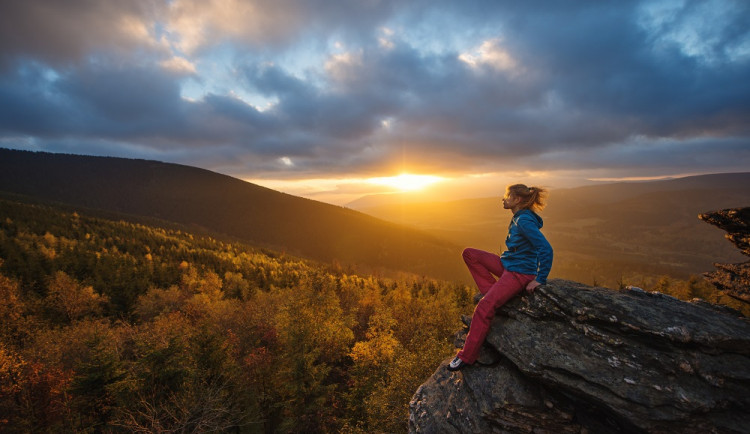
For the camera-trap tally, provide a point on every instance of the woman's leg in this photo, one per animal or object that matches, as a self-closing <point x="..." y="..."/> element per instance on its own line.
<point x="508" y="285"/>
<point x="482" y="265"/>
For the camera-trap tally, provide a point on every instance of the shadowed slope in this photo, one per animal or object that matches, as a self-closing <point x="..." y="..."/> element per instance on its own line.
<point x="227" y="206"/>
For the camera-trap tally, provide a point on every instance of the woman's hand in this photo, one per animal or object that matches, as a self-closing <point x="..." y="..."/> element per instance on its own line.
<point x="532" y="286"/>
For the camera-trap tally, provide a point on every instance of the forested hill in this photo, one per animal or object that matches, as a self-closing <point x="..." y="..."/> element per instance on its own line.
<point x="110" y="326"/>
<point x="227" y="206"/>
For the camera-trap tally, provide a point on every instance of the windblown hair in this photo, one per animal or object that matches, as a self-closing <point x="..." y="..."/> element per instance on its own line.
<point x="533" y="198"/>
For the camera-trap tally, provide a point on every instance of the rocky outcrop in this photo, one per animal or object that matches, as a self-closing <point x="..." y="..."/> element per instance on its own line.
<point x="574" y="359"/>
<point x="733" y="279"/>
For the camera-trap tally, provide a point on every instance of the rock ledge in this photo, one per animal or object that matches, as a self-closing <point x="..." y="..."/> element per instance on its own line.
<point x="575" y="358"/>
<point x="733" y="279"/>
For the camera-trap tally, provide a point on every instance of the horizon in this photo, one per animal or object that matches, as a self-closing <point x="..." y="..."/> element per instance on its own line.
<point x="336" y="102"/>
<point x="418" y="191"/>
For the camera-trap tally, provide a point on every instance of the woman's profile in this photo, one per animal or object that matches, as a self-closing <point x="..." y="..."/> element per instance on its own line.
<point x="525" y="264"/>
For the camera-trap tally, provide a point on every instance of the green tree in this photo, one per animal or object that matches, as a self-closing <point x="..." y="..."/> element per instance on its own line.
<point x="95" y="388"/>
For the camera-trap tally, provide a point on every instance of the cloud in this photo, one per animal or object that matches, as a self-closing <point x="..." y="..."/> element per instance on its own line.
<point x="179" y="65"/>
<point x="321" y="88"/>
<point x="199" y="24"/>
<point x="491" y="54"/>
<point x="58" y="32"/>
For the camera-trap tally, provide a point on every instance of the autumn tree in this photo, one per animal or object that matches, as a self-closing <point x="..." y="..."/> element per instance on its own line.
<point x="314" y="337"/>
<point x="69" y="300"/>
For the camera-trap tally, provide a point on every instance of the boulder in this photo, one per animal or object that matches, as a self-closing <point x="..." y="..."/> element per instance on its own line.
<point x="575" y="358"/>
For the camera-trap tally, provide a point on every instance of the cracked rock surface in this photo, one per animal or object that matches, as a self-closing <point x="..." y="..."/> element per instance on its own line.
<point x="575" y="358"/>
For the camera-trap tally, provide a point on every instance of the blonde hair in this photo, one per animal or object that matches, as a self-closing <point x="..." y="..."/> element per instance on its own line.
<point x="533" y="198"/>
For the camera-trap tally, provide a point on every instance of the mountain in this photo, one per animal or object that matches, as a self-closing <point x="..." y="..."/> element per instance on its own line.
<point x="605" y="232"/>
<point x="227" y="207"/>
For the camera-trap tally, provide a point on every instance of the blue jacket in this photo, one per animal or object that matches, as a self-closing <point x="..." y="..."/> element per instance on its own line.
<point x="528" y="252"/>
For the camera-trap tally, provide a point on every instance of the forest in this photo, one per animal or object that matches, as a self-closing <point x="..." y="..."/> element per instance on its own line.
<point x="112" y="326"/>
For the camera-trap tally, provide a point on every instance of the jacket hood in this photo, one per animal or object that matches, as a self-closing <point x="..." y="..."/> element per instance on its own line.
<point x="530" y="214"/>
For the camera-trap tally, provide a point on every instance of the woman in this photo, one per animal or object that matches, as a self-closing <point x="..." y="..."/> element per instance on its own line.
<point x="526" y="264"/>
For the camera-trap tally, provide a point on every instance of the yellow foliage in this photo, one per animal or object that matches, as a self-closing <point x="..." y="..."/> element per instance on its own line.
<point x="377" y="351"/>
<point x="10" y="307"/>
<point x="66" y="346"/>
<point x="75" y="301"/>
<point x="210" y="306"/>
<point x="315" y="320"/>
<point x="10" y="367"/>
<point x="160" y="301"/>
<point x="158" y="333"/>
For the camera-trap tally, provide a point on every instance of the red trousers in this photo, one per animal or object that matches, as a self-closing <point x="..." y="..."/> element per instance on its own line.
<point x="483" y="265"/>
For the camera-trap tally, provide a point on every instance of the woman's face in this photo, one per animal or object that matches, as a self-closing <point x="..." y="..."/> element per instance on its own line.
<point x="510" y="200"/>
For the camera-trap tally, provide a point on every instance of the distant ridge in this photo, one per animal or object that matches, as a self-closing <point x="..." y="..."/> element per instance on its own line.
<point x="227" y="206"/>
<point x="598" y="192"/>
<point x="604" y="232"/>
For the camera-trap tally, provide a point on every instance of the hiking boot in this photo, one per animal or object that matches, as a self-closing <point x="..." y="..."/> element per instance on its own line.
<point x="456" y="364"/>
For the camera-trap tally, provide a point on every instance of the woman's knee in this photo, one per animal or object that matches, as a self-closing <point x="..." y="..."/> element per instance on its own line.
<point x="469" y="254"/>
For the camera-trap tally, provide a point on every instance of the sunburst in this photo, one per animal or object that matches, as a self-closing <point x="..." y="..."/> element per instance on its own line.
<point x="406" y="181"/>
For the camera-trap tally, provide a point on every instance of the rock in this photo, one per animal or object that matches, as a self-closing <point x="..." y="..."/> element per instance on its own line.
<point x="487" y="354"/>
<point x="733" y="279"/>
<point x="451" y="403"/>
<point x="736" y="222"/>
<point x="575" y="358"/>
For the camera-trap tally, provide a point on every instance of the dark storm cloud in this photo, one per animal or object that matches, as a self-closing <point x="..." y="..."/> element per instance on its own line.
<point x="89" y="100"/>
<point x="456" y="86"/>
<point x="305" y="107"/>
<point x="601" y="59"/>
<point x="119" y="103"/>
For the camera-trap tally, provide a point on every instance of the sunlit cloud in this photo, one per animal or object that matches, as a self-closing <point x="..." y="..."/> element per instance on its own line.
<point x="490" y="53"/>
<point x="179" y="65"/>
<point x="136" y="27"/>
<point x="334" y="190"/>
<point x="386" y="39"/>
<point x="344" y="66"/>
<point x="196" y="24"/>
<point x="643" y="178"/>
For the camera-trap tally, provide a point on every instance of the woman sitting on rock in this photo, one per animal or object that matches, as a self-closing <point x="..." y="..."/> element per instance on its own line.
<point x="526" y="264"/>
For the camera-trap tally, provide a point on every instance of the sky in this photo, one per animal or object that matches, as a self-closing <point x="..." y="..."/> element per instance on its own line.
<point x="333" y="100"/>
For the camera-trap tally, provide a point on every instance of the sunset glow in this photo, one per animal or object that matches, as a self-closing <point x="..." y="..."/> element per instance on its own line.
<point x="406" y="181"/>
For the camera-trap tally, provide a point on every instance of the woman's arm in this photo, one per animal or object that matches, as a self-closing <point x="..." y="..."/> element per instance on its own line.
<point x="531" y="231"/>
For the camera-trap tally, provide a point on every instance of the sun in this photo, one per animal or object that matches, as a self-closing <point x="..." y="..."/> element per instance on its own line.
<point x="406" y="182"/>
